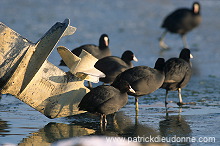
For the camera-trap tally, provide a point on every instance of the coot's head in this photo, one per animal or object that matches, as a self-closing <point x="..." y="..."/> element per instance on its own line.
<point x="128" y="56"/>
<point x="196" y="8"/>
<point x="160" y="63"/>
<point x="185" y="54"/>
<point x="123" y="86"/>
<point x="104" y="40"/>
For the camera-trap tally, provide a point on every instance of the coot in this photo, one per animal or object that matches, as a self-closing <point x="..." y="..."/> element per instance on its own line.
<point x="181" y="21"/>
<point x="111" y="66"/>
<point x="143" y="79"/>
<point x="98" y="51"/>
<point x="178" y="72"/>
<point x="106" y="99"/>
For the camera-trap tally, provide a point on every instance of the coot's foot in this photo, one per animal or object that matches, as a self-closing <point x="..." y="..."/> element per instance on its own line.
<point x="180" y="103"/>
<point x="164" y="46"/>
<point x="89" y="87"/>
<point x="187" y="103"/>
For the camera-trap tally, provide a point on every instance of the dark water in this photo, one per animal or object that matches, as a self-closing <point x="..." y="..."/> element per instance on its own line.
<point x="133" y="25"/>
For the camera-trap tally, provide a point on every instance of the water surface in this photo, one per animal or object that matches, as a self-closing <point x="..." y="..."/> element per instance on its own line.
<point x="133" y="25"/>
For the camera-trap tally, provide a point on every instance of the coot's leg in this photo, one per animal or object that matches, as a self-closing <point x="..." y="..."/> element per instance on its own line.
<point x="136" y="119"/>
<point x="180" y="103"/>
<point x="161" y="41"/>
<point x="105" y="120"/>
<point x="166" y="102"/>
<point x="89" y="85"/>
<point x="103" y="123"/>
<point x="136" y="104"/>
<point x="101" y="119"/>
<point x="167" y="113"/>
<point x="184" y="41"/>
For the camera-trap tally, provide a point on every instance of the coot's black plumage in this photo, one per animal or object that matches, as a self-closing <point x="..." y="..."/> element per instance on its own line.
<point x="111" y="66"/>
<point x="143" y="79"/>
<point x="178" y="72"/>
<point x="106" y="99"/>
<point x="98" y="51"/>
<point x="181" y="21"/>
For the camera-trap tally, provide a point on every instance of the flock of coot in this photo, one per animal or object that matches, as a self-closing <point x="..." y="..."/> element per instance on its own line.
<point x="124" y="79"/>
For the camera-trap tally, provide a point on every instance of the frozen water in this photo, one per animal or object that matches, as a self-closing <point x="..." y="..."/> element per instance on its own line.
<point x="131" y="25"/>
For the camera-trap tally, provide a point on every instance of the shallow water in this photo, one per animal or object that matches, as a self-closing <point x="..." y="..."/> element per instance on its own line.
<point x="20" y="124"/>
<point x="133" y="25"/>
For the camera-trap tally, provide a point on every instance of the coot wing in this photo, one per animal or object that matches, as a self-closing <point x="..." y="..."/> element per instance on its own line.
<point x="88" y="47"/>
<point x="176" y="70"/>
<point x="96" y="97"/>
<point x="111" y="64"/>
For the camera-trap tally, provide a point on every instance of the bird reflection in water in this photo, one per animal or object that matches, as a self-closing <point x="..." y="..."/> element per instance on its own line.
<point x="120" y="125"/>
<point x="127" y="128"/>
<point x="175" y="126"/>
<point x="53" y="132"/>
<point x="4" y="128"/>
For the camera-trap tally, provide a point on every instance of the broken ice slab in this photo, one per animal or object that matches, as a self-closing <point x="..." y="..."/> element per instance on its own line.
<point x="26" y="73"/>
<point x="82" y="66"/>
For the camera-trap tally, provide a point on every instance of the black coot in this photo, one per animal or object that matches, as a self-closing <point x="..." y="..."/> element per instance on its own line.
<point x="181" y="21"/>
<point x="98" y="51"/>
<point x="178" y="72"/>
<point x="111" y="66"/>
<point x="143" y="79"/>
<point x="106" y="99"/>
